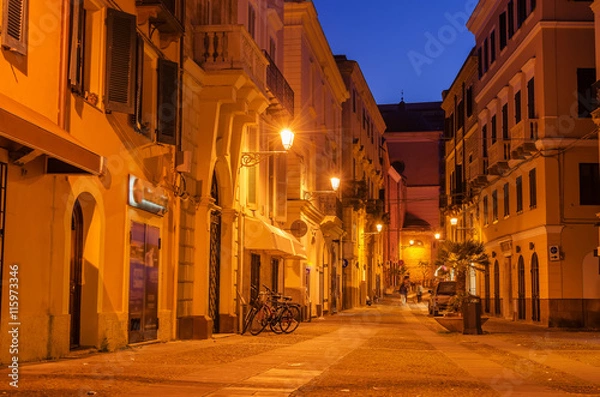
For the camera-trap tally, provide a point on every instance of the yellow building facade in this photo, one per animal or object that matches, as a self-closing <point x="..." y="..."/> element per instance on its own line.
<point x="364" y="157"/>
<point x="89" y="142"/>
<point x="313" y="203"/>
<point x="534" y="209"/>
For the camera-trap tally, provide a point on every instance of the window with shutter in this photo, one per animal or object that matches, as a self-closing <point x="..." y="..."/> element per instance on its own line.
<point x="251" y="172"/>
<point x="15" y="25"/>
<point x="168" y="99"/>
<point x="120" y="61"/>
<point x="281" y="187"/>
<point x="76" y="51"/>
<point x="144" y="107"/>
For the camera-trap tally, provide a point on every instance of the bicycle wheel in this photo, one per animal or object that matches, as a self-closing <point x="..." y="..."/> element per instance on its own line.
<point x="259" y="320"/>
<point x="275" y="322"/>
<point x="290" y="319"/>
<point x="295" y="309"/>
<point x="248" y="319"/>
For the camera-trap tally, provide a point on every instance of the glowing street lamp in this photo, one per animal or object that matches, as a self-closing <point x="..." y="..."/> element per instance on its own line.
<point x="250" y="159"/>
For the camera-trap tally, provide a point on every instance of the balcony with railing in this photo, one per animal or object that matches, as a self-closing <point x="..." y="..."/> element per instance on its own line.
<point x="329" y="205"/>
<point x="523" y="136"/>
<point x="279" y="91"/>
<point x="165" y="15"/>
<point x="375" y="207"/>
<point x="227" y="48"/>
<point x="476" y="173"/>
<point x="498" y="155"/>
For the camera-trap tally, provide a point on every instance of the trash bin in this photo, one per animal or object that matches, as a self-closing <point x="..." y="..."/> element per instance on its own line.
<point x="472" y="316"/>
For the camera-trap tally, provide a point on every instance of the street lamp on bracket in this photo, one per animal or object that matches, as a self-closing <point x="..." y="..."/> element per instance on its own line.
<point x="335" y="185"/>
<point x="250" y="159"/>
<point x="379" y="228"/>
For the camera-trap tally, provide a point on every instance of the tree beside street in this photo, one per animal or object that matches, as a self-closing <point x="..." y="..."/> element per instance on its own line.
<point x="460" y="256"/>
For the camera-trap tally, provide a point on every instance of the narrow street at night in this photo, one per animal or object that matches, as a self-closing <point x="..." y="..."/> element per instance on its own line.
<point x="383" y="350"/>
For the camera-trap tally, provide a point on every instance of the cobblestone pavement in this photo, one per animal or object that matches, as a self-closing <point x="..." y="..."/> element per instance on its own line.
<point x="383" y="350"/>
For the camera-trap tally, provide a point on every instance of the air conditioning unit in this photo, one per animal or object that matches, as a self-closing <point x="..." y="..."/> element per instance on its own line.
<point x="183" y="161"/>
<point x="554" y="253"/>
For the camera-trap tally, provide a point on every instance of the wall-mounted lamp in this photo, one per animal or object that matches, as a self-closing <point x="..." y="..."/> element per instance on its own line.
<point x="250" y="159"/>
<point x="437" y="236"/>
<point x="335" y="185"/>
<point x="379" y="228"/>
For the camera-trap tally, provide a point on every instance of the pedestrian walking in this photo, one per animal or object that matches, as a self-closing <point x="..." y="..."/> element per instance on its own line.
<point x="404" y="292"/>
<point x="419" y="292"/>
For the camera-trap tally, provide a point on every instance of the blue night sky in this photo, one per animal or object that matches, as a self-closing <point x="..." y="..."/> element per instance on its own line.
<point x="415" y="46"/>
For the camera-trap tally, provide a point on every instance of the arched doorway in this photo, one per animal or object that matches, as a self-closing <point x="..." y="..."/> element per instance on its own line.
<point x="497" y="309"/>
<point x="535" y="288"/>
<point x="521" y="308"/>
<point x="214" y="276"/>
<point x="75" y="274"/>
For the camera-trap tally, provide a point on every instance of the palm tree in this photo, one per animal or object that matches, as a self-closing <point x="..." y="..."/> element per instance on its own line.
<point x="461" y="256"/>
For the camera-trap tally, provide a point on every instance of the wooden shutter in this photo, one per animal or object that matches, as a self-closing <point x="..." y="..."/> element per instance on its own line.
<point x="76" y="54"/>
<point x="14" y="25"/>
<point x="137" y="118"/>
<point x="281" y="187"/>
<point x="168" y="100"/>
<point x="120" y="61"/>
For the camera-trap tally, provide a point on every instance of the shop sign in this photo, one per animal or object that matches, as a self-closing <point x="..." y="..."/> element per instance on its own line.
<point x="146" y="196"/>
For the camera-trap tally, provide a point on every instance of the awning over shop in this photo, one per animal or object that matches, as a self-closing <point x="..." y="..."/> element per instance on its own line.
<point x="261" y="236"/>
<point x="32" y="135"/>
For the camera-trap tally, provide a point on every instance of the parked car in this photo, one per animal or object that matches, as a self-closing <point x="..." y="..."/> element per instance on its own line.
<point x="440" y="296"/>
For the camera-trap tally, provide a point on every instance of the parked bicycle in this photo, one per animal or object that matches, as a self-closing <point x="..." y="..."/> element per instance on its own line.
<point x="273" y="310"/>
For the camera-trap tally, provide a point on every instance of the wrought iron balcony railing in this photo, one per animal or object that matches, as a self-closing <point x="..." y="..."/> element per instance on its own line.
<point x="278" y="87"/>
<point x="165" y="15"/>
<point x="329" y="204"/>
